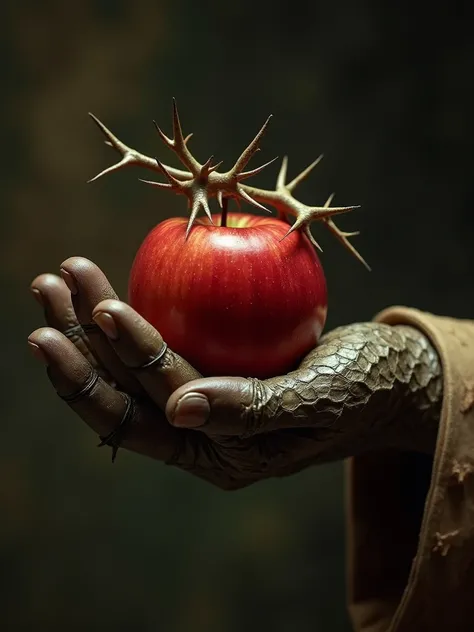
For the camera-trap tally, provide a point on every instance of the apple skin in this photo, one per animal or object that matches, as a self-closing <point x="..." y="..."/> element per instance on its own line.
<point x="231" y="300"/>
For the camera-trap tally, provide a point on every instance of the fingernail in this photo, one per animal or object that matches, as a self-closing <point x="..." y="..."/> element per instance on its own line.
<point x="69" y="280"/>
<point x="38" y="296"/>
<point x="37" y="352"/>
<point x="107" y="324"/>
<point x="191" y="411"/>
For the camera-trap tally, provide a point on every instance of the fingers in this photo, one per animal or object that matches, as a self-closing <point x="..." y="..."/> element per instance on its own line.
<point x="102" y="407"/>
<point x="219" y="406"/>
<point x="89" y="286"/>
<point x="142" y="349"/>
<point x="55" y="298"/>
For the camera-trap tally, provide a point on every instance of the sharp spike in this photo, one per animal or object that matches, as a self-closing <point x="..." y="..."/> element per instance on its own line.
<point x="328" y="202"/>
<point x="356" y="233"/>
<point x="304" y="174"/>
<point x="346" y="243"/>
<point x="299" y="222"/>
<point x="306" y="230"/>
<point x="192" y="217"/>
<point x="174" y="181"/>
<point x="215" y="167"/>
<point x="248" y="174"/>
<point x="309" y="235"/>
<point x="315" y="213"/>
<point x="158" y="185"/>
<point x="120" y="165"/>
<point x="244" y="195"/>
<point x="281" y="180"/>
<point x="207" y="210"/>
<point x="129" y="156"/>
<point x="112" y="140"/>
<point x="288" y="232"/>
<point x="250" y="150"/>
<point x="178" y="143"/>
<point x="167" y="141"/>
<point x="177" y="130"/>
<point x="207" y="168"/>
<point x="220" y="198"/>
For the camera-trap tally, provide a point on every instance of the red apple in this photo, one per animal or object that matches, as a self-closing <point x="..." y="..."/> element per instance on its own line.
<point x="233" y="300"/>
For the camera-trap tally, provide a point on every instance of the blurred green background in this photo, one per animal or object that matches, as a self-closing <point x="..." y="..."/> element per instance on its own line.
<point x="385" y="90"/>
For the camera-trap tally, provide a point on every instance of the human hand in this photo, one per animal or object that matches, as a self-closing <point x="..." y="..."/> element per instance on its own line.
<point x="366" y="386"/>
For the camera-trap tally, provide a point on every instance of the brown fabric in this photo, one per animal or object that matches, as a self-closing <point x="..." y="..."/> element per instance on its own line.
<point x="411" y="562"/>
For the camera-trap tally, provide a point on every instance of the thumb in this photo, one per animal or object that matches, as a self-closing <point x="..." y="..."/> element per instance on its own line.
<point x="219" y="406"/>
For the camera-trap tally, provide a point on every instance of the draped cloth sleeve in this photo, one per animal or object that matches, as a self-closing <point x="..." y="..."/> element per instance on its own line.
<point x="410" y="517"/>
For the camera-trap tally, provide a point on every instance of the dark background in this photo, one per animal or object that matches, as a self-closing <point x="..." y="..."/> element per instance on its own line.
<point x="385" y="90"/>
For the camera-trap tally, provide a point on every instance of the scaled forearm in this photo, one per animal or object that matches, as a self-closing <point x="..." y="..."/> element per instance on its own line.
<point x="367" y="381"/>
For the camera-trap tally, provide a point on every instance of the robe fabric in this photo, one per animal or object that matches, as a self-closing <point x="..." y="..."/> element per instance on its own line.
<point x="410" y="517"/>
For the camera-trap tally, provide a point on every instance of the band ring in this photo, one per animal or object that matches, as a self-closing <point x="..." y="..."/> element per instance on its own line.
<point x="85" y="390"/>
<point x="72" y="332"/>
<point x="113" y="439"/>
<point x="156" y="360"/>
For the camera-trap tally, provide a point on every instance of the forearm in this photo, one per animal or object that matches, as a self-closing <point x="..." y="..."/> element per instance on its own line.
<point x="365" y="387"/>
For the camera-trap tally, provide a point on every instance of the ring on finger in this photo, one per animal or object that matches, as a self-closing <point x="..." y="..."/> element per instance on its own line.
<point x="114" y="438"/>
<point x="156" y="360"/>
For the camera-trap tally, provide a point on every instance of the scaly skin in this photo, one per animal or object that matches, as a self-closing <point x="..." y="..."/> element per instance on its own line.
<point x="367" y="386"/>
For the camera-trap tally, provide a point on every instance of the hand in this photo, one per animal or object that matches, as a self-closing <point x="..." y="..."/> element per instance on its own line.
<point x="365" y="387"/>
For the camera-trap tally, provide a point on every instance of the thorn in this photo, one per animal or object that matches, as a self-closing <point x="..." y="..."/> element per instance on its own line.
<point x="198" y="200"/>
<point x="346" y="243"/>
<point x="250" y="150"/>
<point x="215" y="167"/>
<point x="290" y="230"/>
<point x="243" y="175"/>
<point x="356" y="233"/>
<point x="315" y="213"/>
<point x="126" y="160"/>
<point x="207" y="210"/>
<point x="196" y="204"/>
<point x="188" y="137"/>
<point x="281" y="180"/>
<point x="206" y="168"/>
<point x="205" y="205"/>
<point x="177" y="131"/>
<point x="112" y="140"/>
<point x="306" y="231"/>
<point x="168" y="142"/>
<point x="178" y="143"/>
<point x="243" y="194"/>
<point x="158" y="185"/>
<point x="174" y="181"/>
<point x="309" y="235"/>
<point x="304" y="174"/>
<point x="327" y="203"/>
<point x="219" y="198"/>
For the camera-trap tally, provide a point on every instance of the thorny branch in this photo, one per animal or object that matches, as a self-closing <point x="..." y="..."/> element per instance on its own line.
<point x="200" y="182"/>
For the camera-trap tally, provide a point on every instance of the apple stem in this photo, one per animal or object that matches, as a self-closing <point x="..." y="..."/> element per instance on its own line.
<point x="225" y="204"/>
